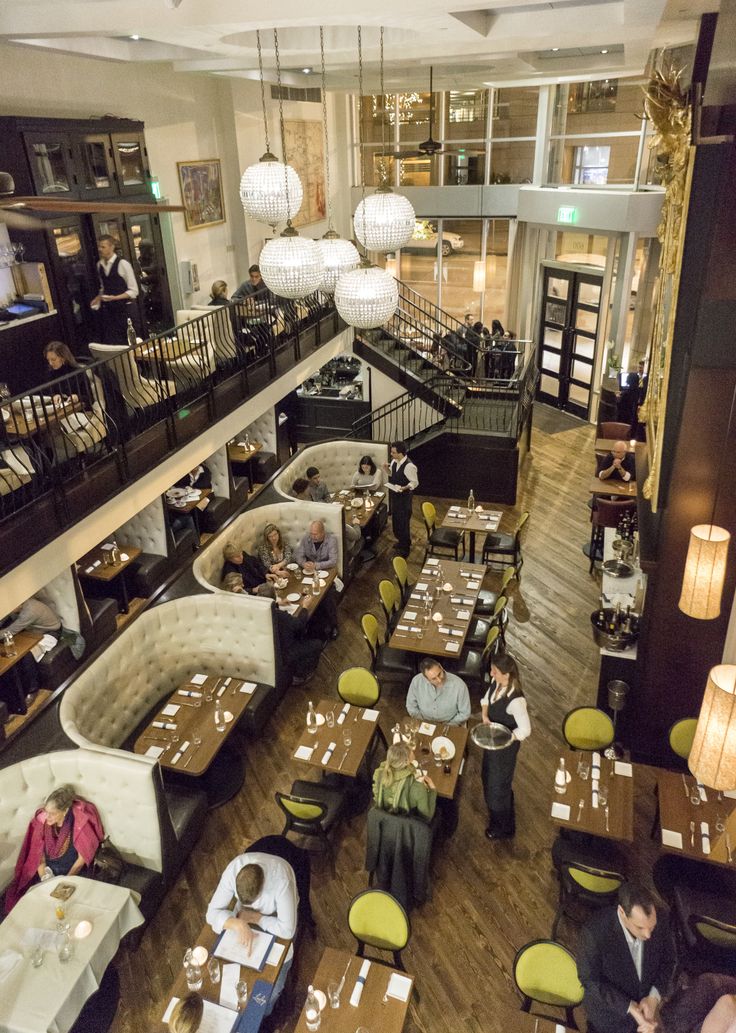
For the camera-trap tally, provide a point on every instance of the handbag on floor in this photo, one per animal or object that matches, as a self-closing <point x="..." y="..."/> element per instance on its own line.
<point x="108" y="864"/>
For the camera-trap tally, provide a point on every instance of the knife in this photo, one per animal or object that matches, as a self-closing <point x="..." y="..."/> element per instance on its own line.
<point x="341" y="984"/>
<point x="728" y="848"/>
<point x="339" y="766"/>
<point x="687" y="791"/>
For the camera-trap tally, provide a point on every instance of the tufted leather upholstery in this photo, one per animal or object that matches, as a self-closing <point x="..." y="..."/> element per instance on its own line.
<point x="122" y="786"/>
<point x="218" y="466"/>
<point x="263" y="429"/>
<point x="61" y="596"/>
<point x="293" y="518"/>
<point x="208" y="634"/>
<point x="147" y="529"/>
<point x="336" y="461"/>
<point x="218" y="332"/>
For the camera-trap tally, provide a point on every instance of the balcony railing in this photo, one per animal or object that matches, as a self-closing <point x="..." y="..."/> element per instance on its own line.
<point x="76" y="441"/>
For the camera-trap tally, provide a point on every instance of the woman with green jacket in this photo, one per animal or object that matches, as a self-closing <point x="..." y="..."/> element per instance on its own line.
<point x="396" y="787"/>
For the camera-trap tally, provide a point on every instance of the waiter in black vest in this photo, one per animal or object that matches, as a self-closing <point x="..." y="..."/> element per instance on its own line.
<point x="403" y="481"/>
<point x="118" y="288"/>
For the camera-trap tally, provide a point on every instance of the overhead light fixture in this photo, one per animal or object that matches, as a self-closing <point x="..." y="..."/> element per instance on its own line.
<point x="605" y="50"/>
<point x="555" y="49"/>
<point x="713" y="753"/>
<point x="307" y="71"/>
<point x="135" y="37"/>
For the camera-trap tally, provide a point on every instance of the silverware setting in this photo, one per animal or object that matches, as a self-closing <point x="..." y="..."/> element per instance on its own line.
<point x="607" y="828"/>
<point x="581" y="805"/>
<point x="687" y="791"/>
<point x="339" y="766"/>
<point x="729" y="851"/>
<point x="692" y="833"/>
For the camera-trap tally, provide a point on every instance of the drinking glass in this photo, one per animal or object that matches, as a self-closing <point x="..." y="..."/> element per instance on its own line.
<point x="584" y="770"/>
<point x="437" y="758"/>
<point x="602" y="795"/>
<point x="241" y="992"/>
<point x="194" y="977"/>
<point x="333" y="994"/>
<point x="720" y="825"/>
<point x="695" y="797"/>
<point x="208" y="693"/>
<point x="37" y="957"/>
<point x="213" y="967"/>
<point x="197" y="739"/>
<point x="65" y="948"/>
<point x="347" y="738"/>
<point x="330" y="718"/>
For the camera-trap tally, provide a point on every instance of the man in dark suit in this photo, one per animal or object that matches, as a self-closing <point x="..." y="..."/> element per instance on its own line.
<point x="625" y="962"/>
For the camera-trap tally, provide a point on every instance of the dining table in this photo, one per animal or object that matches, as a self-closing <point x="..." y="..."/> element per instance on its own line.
<point x="478" y="520"/>
<point x="440" y="625"/>
<point x="242" y="452"/>
<point x="182" y="736"/>
<point x="226" y="1014"/>
<point x="358" y="505"/>
<point x="612" y="486"/>
<point x="97" y="566"/>
<point x="696" y="821"/>
<point x="190" y="500"/>
<point x="382" y="1005"/>
<point x="446" y="774"/>
<point x="343" y="738"/>
<point x="12" y="688"/>
<point x="578" y="807"/>
<point x="40" y="992"/>
<point x="39" y="417"/>
<point x="299" y="591"/>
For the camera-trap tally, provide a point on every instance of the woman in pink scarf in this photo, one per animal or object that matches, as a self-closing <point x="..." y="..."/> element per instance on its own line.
<point x="62" y="839"/>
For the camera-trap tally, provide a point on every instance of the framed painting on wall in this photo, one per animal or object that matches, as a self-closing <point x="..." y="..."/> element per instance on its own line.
<point x="305" y="150"/>
<point x="201" y="193"/>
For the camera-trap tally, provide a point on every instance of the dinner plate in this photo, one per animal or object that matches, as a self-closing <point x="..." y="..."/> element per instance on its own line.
<point x="292" y="566"/>
<point x="177" y="493"/>
<point x="437" y="617"/>
<point x="228" y="717"/>
<point x="322" y="574"/>
<point x="293" y="597"/>
<point x="442" y="743"/>
<point x="494" y="736"/>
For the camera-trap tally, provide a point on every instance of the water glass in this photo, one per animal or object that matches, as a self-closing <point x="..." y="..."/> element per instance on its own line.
<point x="197" y="739"/>
<point x="347" y="739"/>
<point x="208" y="693"/>
<point x="241" y="992"/>
<point x="194" y="977"/>
<point x="37" y="957"/>
<point x="213" y="967"/>
<point x="602" y="794"/>
<point x="65" y="948"/>
<point x="333" y="994"/>
<point x="330" y="718"/>
<point x="584" y="770"/>
<point x="695" y="797"/>
<point x="437" y="759"/>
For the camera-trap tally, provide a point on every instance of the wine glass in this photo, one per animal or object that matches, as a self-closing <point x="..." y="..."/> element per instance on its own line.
<point x="241" y="992"/>
<point x="347" y="738"/>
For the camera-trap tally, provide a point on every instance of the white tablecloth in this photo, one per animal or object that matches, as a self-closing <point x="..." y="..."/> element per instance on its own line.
<point x="49" y="999"/>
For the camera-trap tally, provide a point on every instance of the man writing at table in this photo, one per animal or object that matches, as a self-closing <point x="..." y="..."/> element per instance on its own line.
<point x="618" y="465"/>
<point x="625" y="962"/>
<point x="438" y="695"/>
<point x="266" y="897"/>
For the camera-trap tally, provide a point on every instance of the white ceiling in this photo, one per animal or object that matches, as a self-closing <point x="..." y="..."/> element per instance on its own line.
<point x="512" y="40"/>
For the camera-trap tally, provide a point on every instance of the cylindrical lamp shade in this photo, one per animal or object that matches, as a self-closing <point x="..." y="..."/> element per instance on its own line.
<point x="705" y="570"/>
<point x="339" y="256"/>
<point x="263" y="191"/>
<point x="713" y="754"/>
<point x="366" y="297"/>
<point x="384" y="221"/>
<point x="291" y="266"/>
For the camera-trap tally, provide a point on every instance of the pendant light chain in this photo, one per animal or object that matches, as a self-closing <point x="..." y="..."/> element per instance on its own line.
<point x="281" y="120"/>
<point x="360" y="131"/>
<point x="324" y="120"/>
<point x="384" y="169"/>
<point x="263" y="90"/>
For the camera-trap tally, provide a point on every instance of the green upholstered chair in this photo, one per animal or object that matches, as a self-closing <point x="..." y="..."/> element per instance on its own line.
<point x="440" y="538"/>
<point x="714" y="948"/>
<point x="312" y="809"/>
<point x="401" y="572"/>
<point x="587" y="728"/>
<point x="681" y="736"/>
<point x="360" y="688"/>
<point x="479" y="628"/>
<point x="385" y="660"/>
<point x="390" y="599"/>
<point x="545" y="972"/>
<point x="377" y="920"/>
<point x="486" y="601"/>
<point x="584" y="884"/>
<point x="502" y="548"/>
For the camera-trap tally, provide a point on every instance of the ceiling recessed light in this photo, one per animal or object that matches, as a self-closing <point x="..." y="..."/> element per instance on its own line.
<point x="307" y="71"/>
<point x="135" y="37"/>
<point x="605" y="50"/>
<point x="555" y="49"/>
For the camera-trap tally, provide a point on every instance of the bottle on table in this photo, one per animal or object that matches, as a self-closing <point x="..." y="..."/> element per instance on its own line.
<point x="311" y="719"/>
<point x="114" y="553"/>
<point x="219" y="717"/>
<point x="312" y="1015"/>
<point x="561" y="778"/>
<point x="131" y="334"/>
<point x="471" y="501"/>
<point x="247" y="442"/>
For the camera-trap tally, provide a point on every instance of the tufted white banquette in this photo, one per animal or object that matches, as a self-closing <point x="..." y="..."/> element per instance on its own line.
<point x="61" y="595"/>
<point x="336" y="461"/>
<point x="293" y="519"/>
<point x="166" y="645"/>
<point x="263" y="430"/>
<point x="122" y="786"/>
<point x="147" y="529"/>
<point x="219" y="467"/>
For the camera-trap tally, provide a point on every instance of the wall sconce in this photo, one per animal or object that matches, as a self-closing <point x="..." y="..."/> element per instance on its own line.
<point x="713" y="755"/>
<point x="705" y="571"/>
<point x="479" y="277"/>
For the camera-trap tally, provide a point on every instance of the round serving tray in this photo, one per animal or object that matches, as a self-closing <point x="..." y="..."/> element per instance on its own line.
<point x="494" y="736"/>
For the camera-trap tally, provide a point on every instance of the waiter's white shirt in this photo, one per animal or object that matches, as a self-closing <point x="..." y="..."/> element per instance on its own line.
<point x="518" y="710"/>
<point x="410" y="472"/>
<point x="126" y="271"/>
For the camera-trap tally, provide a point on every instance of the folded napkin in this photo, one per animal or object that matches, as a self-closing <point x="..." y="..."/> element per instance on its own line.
<point x="472" y="585"/>
<point x="223" y="689"/>
<point x="248" y="687"/>
<point x="456" y="632"/>
<point x="463" y="615"/>
<point x="455" y="600"/>
<point x="370" y="715"/>
<point x="561" y="810"/>
<point x="433" y="563"/>
<point x="672" y="838"/>
<point x="421" y="587"/>
<point x="307" y="580"/>
<point x="171" y="710"/>
<point x="425" y="728"/>
<point x="452" y="647"/>
<point x="8" y="960"/>
<point x="443" y="630"/>
<point x="701" y="790"/>
<point x="402" y="627"/>
<point x="399" y="987"/>
<point x="178" y="755"/>
<point x="594" y="799"/>
<point x="328" y="753"/>
<point x="304" y="753"/>
<point x="198" y="679"/>
<point x="622" y="768"/>
<point x="360" y="983"/>
<point x="164" y="724"/>
<point x="417" y="631"/>
<point x="410" y="615"/>
<point x="190" y="692"/>
<point x="705" y="836"/>
<point x="155" y="751"/>
<point x="343" y="714"/>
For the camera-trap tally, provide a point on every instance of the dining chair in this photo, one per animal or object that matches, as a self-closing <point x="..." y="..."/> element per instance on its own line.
<point x="545" y="972"/>
<point x="401" y="572"/>
<point x="443" y="538"/>
<point x="473" y="665"/>
<point x="584" y="884"/>
<point x="384" y="659"/>
<point x="587" y="728"/>
<point x="359" y="687"/>
<point x="377" y="920"/>
<point x="486" y="601"/>
<point x="389" y="598"/>
<point x="615" y="431"/>
<point x="681" y="736"/>
<point x="712" y="947"/>
<point x="312" y="809"/>
<point x="504" y="546"/>
<point x="480" y="626"/>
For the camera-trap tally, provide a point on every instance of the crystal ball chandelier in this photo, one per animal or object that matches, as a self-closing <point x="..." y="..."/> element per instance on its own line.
<point x="384" y="221"/>
<point x="264" y="192"/>
<point x="291" y="266"/>
<point x="339" y="256"/>
<point x="366" y="297"/>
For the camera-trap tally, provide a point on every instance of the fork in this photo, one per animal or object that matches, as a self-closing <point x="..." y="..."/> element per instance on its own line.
<point x="607" y="828"/>
<point x="692" y="833"/>
<point x="339" y="766"/>
<point x="580" y="810"/>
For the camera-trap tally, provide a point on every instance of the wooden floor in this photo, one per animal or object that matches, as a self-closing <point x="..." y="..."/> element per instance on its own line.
<point x="488" y="899"/>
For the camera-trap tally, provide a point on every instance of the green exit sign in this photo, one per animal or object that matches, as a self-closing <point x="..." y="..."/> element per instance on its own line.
<point x="567" y="214"/>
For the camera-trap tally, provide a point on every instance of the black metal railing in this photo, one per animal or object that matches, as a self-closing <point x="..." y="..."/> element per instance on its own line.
<point x="131" y="406"/>
<point x="408" y="416"/>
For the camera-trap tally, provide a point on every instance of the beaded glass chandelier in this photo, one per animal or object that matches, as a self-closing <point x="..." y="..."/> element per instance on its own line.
<point x="366" y="297"/>
<point x="291" y="266"/>
<point x="384" y="221"/>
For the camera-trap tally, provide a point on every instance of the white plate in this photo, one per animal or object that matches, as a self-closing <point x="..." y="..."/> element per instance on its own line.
<point x="322" y="574"/>
<point x="177" y="493"/>
<point x="292" y="566"/>
<point x="293" y="597"/>
<point x="442" y="742"/>
<point x="437" y="617"/>
<point x="356" y="503"/>
<point x="228" y="717"/>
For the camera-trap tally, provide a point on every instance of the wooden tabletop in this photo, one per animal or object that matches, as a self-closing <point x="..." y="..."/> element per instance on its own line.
<point x="211" y="991"/>
<point x="309" y="601"/>
<point x="345" y="498"/>
<point x="170" y="348"/>
<point x="612" y="486"/>
<point x="676" y="812"/>
<point x="371" y="1013"/>
<point x="445" y="781"/>
<point x="461" y="599"/>
<point x="171" y="503"/>
<point x="22" y="424"/>
<point x="195" y="716"/>
<point x="606" y="445"/>
<point x="461" y="519"/>
<point x="93" y="566"/>
<point x="593" y="819"/>
<point x="344" y="759"/>
<point x="240" y="454"/>
<point x="23" y="643"/>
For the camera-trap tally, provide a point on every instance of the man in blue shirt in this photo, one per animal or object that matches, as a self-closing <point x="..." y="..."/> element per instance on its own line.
<point x="438" y="695"/>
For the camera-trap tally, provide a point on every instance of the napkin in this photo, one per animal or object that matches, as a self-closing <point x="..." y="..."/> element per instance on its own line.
<point x="443" y="630"/>
<point x="274" y="955"/>
<point x="164" y="724"/>
<point x="705" y="836"/>
<point x="307" y="580"/>
<point x="455" y="600"/>
<point x="304" y="753"/>
<point x="472" y="585"/>
<point x="456" y="632"/>
<point x="343" y="714"/>
<point x="425" y="728"/>
<point x="198" y="679"/>
<point x="222" y="690"/>
<point x="248" y="687"/>
<point x="370" y="715"/>
<point x="463" y="615"/>
<point x="190" y="692"/>
<point x="230" y="978"/>
<point x="227" y="682"/>
<point x="360" y="983"/>
<point x="417" y="631"/>
<point x="452" y="647"/>
<point x="622" y="768"/>
<point x="402" y="627"/>
<point x="171" y="710"/>
<point x="398" y="987"/>
<point x="410" y="615"/>
<point x="594" y="798"/>
<point x="328" y="753"/>
<point x="467" y="602"/>
<point x="561" y="810"/>
<point x="8" y="960"/>
<point x="88" y="570"/>
<point x="155" y="751"/>
<point x="672" y="838"/>
<point x="420" y="587"/>
<point x="433" y="563"/>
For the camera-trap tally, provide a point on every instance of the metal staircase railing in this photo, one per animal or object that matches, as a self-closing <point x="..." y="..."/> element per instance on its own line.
<point x="406" y="417"/>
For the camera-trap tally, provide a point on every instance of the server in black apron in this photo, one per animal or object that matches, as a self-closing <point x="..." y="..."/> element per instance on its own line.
<point x="504" y="703"/>
<point x="117" y="288"/>
<point x="403" y="481"/>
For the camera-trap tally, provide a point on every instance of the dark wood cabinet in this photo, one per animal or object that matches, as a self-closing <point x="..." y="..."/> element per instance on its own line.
<point x="51" y="164"/>
<point x="131" y="162"/>
<point x="96" y="166"/>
